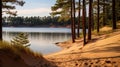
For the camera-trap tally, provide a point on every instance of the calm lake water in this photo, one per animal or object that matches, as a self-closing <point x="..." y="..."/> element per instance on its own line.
<point x="42" y="39"/>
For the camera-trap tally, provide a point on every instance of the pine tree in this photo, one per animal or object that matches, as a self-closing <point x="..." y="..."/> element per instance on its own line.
<point x="84" y="21"/>
<point x="113" y="15"/>
<point x="4" y="4"/>
<point x="98" y="10"/>
<point x="74" y="33"/>
<point x="72" y="29"/>
<point x="79" y="11"/>
<point x="7" y="7"/>
<point x="67" y="11"/>
<point x="0" y="20"/>
<point x="104" y="14"/>
<point x="90" y="17"/>
<point x="62" y="8"/>
<point x="21" y="40"/>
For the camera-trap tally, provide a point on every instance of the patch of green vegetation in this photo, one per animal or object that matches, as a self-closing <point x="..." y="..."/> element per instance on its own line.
<point x="21" y="40"/>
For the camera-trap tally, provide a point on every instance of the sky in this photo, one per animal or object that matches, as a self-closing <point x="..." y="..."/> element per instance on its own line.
<point x="35" y="8"/>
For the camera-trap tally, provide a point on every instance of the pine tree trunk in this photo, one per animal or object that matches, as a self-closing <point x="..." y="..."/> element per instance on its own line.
<point x="89" y="24"/>
<point x="74" y="27"/>
<point x="84" y="22"/>
<point x="98" y="16"/>
<point x="72" y="30"/>
<point x="114" y="16"/>
<point x="92" y="16"/>
<point x="1" y="20"/>
<point x="78" y="28"/>
<point x="104" y="22"/>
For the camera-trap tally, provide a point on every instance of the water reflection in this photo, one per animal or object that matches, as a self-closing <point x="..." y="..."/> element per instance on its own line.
<point x="41" y="42"/>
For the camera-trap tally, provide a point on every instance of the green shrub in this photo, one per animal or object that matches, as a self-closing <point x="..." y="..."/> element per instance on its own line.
<point x="21" y="40"/>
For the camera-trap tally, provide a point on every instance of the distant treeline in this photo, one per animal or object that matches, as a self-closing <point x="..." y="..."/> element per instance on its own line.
<point x="46" y="21"/>
<point x="36" y="21"/>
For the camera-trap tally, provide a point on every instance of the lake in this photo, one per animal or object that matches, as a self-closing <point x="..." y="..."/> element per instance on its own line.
<point x="41" y="39"/>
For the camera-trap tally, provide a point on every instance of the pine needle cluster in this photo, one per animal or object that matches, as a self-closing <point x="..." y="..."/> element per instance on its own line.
<point x="21" y="40"/>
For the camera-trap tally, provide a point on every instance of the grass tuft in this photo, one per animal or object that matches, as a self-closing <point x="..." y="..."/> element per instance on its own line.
<point x="17" y="50"/>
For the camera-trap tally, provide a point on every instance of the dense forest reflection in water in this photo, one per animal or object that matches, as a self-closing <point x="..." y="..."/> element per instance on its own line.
<point x="41" y="42"/>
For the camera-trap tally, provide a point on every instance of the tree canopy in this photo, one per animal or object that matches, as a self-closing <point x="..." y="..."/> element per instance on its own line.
<point x="8" y="5"/>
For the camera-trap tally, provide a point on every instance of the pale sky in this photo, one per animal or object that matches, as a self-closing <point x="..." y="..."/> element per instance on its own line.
<point x="35" y="8"/>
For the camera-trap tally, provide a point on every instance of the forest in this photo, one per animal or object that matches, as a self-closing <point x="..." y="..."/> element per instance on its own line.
<point x="47" y="21"/>
<point x="100" y="13"/>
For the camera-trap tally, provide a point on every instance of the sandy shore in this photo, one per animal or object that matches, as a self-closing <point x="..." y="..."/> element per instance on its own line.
<point x="103" y="51"/>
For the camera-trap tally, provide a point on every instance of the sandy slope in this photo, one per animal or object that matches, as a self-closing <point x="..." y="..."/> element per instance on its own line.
<point x="103" y="48"/>
<point x="9" y="59"/>
<point x="105" y="51"/>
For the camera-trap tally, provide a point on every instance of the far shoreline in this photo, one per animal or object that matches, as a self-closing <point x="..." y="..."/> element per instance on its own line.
<point x="39" y="26"/>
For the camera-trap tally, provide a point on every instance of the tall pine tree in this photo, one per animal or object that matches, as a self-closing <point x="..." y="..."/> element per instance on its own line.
<point x="113" y="15"/>
<point x="79" y="11"/>
<point x="4" y="5"/>
<point x="84" y="22"/>
<point x="0" y="19"/>
<point x="90" y="17"/>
